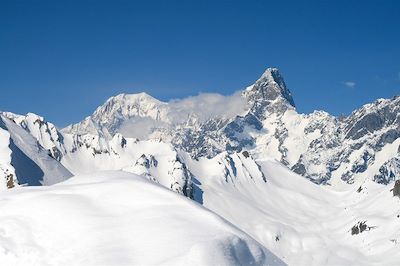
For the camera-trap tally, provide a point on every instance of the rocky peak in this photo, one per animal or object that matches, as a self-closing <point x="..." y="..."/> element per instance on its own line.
<point x="379" y="115"/>
<point x="269" y="93"/>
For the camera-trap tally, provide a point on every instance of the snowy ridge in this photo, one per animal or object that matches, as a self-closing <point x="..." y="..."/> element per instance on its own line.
<point x="24" y="161"/>
<point x="116" y="218"/>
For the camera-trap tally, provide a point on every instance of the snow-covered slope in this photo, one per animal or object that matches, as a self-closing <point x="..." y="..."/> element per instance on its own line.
<point x="301" y="222"/>
<point x="116" y="218"/>
<point x="23" y="161"/>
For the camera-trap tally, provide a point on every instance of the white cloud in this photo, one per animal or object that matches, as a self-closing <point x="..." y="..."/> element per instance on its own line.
<point x="205" y="106"/>
<point x="179" y="111"/>
<point x="139" y="127"/>
<point x="350" y="84"/>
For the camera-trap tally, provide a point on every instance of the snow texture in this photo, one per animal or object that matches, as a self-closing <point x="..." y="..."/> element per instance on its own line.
<point x="116" y="218"/>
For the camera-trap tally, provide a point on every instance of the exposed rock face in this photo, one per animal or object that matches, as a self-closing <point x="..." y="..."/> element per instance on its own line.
<point x="269" y="94"/>
<point x="396" y="189"/>
<point x="178" y="175"/>
<point x="10" y="181"/>
<point x="360" y="227"/>
<point x="389" y="171"/>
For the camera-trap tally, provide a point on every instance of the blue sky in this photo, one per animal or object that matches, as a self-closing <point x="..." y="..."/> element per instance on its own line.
<point x="61" y="59"/>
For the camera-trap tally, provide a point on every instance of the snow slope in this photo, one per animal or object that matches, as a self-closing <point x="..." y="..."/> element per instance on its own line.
<point x="116" y="218"/>
<point x="301" y="222"/>
<point x="23" y="161"/>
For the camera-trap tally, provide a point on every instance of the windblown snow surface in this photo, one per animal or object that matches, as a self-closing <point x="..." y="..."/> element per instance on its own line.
<point x="117" y="218"/>
<point x="304" y="223"/>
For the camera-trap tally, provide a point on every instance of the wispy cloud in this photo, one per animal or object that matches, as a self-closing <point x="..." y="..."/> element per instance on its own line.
<point x="398" y="75"/>
<point x="199" y="108"/>
<point x="349" y="84"/>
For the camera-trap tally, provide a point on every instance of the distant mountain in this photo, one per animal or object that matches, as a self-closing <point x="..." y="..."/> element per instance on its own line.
<point x="261" y="120"/>
<point x="319" y="146"/>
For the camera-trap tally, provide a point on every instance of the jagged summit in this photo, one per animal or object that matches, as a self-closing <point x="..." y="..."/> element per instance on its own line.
<point x="273" y="86"/>
<point x="269" y="94"/>
<point x="272" y="74"/>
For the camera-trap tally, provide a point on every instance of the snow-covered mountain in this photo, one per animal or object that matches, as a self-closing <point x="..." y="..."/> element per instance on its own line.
<point x="23" y="161"/>
<point x="248" y="157"/>
<point x="261" y="120"/>
<point x="319" y="146"/>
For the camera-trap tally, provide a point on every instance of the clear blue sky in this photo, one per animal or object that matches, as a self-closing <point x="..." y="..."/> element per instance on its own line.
<point x="61" y="59"/>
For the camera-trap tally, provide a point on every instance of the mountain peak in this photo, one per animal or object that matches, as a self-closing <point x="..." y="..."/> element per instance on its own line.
<point x="125" y="98"/>
<point x="271" y="72"/>
<point x="272" y="85"/>
<point x="269" y="94"/>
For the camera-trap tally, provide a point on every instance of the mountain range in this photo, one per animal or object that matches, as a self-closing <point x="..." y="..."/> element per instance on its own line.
<point x="312" y="188"/>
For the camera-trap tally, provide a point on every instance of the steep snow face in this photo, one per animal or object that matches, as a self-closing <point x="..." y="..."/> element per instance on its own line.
<point x="116" y="218"/>
<point x="301" y="222"/>
<point x="43" y="131"/>
<point x="23" y="161"/>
